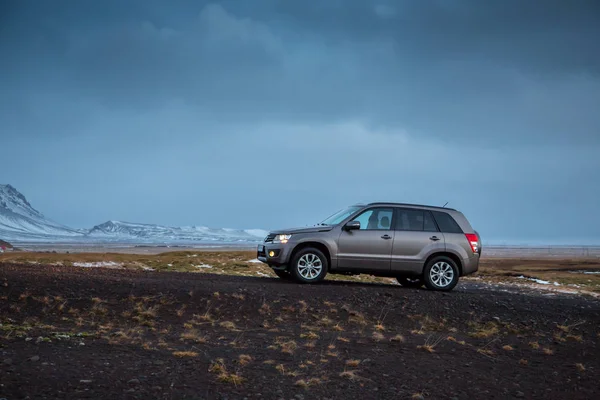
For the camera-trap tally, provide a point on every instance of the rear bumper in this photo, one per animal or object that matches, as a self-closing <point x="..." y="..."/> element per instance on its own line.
<point x="276" y="255"/>
<point x="470" y="265"/>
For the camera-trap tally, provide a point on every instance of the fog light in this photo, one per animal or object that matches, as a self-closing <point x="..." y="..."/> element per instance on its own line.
<point x="271" y="253"/>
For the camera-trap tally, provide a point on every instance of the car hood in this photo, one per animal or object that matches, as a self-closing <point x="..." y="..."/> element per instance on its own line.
<point x="309" y="229"/>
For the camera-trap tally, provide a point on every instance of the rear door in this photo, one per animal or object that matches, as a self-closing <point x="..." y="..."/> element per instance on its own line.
<point x="416" y="237"/>
<point x="370" y="247"/>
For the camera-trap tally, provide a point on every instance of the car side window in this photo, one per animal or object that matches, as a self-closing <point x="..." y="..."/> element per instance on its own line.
<point x="375" y="219"/>
<point x="415" y="220"/>
<point x="446" y="222"/>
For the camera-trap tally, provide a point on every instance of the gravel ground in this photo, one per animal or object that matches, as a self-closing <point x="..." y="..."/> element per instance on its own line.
<point x="99" y="333"/>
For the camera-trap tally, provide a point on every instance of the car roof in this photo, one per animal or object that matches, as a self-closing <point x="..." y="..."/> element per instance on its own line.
<point x="408" y="205"/>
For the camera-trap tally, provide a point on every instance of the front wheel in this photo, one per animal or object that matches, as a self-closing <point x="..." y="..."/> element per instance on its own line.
<point x="309" y="265"/>
<point x="410" y="282"/>
<point x="441" y="273"/>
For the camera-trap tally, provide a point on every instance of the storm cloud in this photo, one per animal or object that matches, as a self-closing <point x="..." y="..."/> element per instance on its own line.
<point x="267" y="113"/>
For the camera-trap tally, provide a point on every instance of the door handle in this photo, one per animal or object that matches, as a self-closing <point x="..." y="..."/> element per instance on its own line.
<point x="386" y="237"/>
<point x="434" y="238"/>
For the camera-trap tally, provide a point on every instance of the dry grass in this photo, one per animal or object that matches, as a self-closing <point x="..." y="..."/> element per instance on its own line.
<point x="534" y="345"/>
<point x="182" y="354"/>
<point x="486" y="352"/>
<point x="548" y="351"/>
<point x="580" y="367"/>
<point x="523" y="362"/>
<point x="576" y="338"/>
<point x="244" y="359"/>
<point x="507" y="348"/>
<point x="431" y="343"/>
<point x="483" y="331"/>
<point x="398" y="338"/>
<point x="351" y="375"/>
<point x="352" y="363"/>
<point x="194" y="335"/>
<point x="228" y="325"/>
<point x="378" y="336"/>
<point x="310" y="335"/>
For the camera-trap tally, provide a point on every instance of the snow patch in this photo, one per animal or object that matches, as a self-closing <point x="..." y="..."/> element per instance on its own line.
<point x="585" y="272"/>
<point x="262" y="274"/>
<point x="255" y="261"/>
<point x="540" y="281"/>
<point x="98" y="264"/>
<point x="203" y="266"/>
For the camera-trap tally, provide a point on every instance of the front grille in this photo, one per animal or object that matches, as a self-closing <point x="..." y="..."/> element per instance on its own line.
<point x="269" y="238"/>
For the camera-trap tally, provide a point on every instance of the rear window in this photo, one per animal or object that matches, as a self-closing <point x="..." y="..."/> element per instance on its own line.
<point x="415" y="220"/>
<point x="446" y="222"/>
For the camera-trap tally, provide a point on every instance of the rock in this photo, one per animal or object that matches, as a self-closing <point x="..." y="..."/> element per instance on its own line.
<point x="299" y="397"/>
<point x="519" y="395"/>
<point x="417" y="396"/>
<point x="496" y="318"/>
<point x="134" y="382"/>
<point x="156" y="388"/>
<point x="130" y="391"/>
<point x="7" y="361"/>
<point x="159" y="362"/>
<point x="35" y="358"/>
<point x="85" y="381"/>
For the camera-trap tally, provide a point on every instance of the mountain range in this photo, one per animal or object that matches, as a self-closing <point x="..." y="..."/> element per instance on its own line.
<point x="20" y="222"/>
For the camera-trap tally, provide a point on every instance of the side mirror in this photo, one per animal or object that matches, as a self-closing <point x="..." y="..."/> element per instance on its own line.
<point x="352" y="225"/>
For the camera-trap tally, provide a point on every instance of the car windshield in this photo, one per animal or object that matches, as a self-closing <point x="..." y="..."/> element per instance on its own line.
<point x="340" y="216"/>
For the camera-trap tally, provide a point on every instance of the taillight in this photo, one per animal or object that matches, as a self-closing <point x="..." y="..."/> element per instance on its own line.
<point x="473" y="241"/>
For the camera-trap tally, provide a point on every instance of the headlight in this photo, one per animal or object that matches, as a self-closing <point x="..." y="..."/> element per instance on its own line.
<point x="281" y="238"/>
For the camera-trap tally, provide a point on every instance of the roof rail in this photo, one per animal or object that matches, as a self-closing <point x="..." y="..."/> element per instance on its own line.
<point x="409" y="205"/>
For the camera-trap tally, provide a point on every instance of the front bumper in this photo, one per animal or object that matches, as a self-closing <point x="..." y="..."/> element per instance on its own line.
<point x="276" y="255"/>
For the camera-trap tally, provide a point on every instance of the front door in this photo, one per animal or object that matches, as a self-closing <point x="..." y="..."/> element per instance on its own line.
<point x="416" y="238"/>
<point x="370" y="247"/>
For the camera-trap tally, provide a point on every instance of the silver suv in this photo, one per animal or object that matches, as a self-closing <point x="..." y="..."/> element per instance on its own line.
<point x="416" y="244"/>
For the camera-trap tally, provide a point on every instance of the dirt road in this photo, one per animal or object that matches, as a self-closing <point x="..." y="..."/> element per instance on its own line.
<point x="98" y="333"/>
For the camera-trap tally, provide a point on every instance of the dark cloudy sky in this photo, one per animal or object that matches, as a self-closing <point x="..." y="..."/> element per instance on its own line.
<point x="265" y="114"/>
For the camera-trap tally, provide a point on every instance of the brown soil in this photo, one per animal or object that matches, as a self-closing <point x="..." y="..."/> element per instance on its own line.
<point x="101" y="333"/>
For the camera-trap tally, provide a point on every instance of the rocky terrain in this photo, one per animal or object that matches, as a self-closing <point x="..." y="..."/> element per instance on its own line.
<point x="77" y="332"/>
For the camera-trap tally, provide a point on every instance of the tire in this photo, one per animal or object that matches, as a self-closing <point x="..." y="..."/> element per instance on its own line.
<point x="283" y="274"/>
<point x="309" y="265"/>
<point x="410" y="282"/>
<point x="441" y="273"/>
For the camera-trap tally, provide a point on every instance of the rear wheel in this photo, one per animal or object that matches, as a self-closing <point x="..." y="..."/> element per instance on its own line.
<point x="410" y="282"/>
<point x="283" y="274"/>
<point x="441" y="273"/>
<point x="309" y="265"/>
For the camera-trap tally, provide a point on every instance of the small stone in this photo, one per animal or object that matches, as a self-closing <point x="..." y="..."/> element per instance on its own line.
<point x="519" y="395"/>
<point x="299" y="397"/>
<point x="130" y="391"/>
<point x="159" y="362"/>
<point x="7" y="361"/>
<point x="496" y="318"/>
<point x="156" y="388"/>
<point x="417" y="396"/>
<point x="35" y="358"/>
<point x="134" y="382"/>
<point x="85" y="381"/>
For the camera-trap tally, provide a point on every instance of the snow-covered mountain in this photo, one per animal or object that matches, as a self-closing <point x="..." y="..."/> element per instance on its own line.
<point x="148" y="232"/>
<point x="20" y="222"/>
